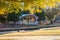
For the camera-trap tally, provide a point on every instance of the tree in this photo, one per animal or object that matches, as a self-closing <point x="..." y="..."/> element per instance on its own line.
<point x="41" y="16"/>
<point x="26" y="12"/>
<point x="51" y="14"/>
<point x="13" y="17"/>
<point x="10" y="5"/>
<point x="2" y="19"/>
<point x="19" y="13"/>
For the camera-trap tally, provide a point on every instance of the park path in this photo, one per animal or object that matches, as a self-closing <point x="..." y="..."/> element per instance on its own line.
<point x="23" y="27"/>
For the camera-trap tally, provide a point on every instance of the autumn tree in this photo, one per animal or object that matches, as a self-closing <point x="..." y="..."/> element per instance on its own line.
<point x="9" y="6"/>
<point x="51" y="14"/>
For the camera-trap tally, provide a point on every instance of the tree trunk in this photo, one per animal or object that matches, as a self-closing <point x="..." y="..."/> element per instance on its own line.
<point x="52" y="21"/>
<point x="39" y="21"/>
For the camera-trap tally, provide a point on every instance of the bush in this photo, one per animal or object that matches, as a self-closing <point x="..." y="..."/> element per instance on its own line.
<point x="41" y="15"/>
<point x="2" y="19"/>
<point x="13" y="17"/>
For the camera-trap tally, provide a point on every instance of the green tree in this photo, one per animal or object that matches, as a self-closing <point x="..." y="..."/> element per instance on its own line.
<point x="12" y="17"/>
<point x="41" y="16"/>
<point x="2" y="19"/>
<point x="26" y="12"/>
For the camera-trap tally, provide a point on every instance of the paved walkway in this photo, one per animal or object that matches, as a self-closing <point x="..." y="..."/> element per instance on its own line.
<point x="31" y="38"/>
<point x="54" y="31"/>
<point x="29" y="27"/>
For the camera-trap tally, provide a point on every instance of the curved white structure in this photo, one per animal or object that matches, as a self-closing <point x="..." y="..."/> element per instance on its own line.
<point x="28" y="19"/>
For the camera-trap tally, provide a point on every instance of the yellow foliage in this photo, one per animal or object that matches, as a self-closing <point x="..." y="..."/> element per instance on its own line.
<point x="2" y="11"/>
<point x="38" y="10"/>
<point x="57" y="0"/>
<point x="15" y="5"/>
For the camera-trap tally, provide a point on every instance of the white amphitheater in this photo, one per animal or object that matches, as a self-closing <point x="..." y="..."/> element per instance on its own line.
<point x="28" y="19"/>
